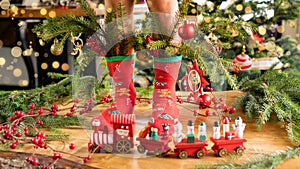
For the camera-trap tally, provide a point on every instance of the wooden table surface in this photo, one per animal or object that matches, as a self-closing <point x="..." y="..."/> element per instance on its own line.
<point x="272" y="137"/>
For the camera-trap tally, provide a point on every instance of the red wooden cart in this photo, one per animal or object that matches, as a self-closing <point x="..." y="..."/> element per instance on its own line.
<point x="196" y="149"/>
<point x="222" y="146"/>
<point x="159" y="147"/>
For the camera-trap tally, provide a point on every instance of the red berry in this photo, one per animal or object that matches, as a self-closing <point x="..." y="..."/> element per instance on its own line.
<point x="13" y="145"/>
<point x="72" y="146"/>
<point x="85" y="160"/>
<point x="12" y="118"/>
<point x="54" y="107"/>
<point x="29" y="159"/>
<point x="72" y="109"/>
<point x="232" y="110"/>
<point x="40" y="111"/>
<point x="19" y="134"/>
<point x="89" y="157"/>
<point x="76" y="100"/>
<point x="32" y="106"/>
<point x="30" y="112"/>
<point x="3" y="141"/>
<point x="35" y="161"/>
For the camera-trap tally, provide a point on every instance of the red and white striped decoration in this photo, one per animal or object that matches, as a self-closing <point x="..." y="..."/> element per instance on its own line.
<point x="100" y="138"/>
<point x="122" y="118"/>
<point x="244" y="61"/>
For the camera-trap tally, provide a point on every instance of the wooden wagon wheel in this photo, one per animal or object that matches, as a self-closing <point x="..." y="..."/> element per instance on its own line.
<point x="222" y="152"/>
<point x="183" y="154"/>
<point x="123" y="146"/>
<point x="108" y="148"/>
<point x="141" y="149"/>
<point x="158" y="152"/>
<point x="200" y="154"/>
<point x="239" y="150"/>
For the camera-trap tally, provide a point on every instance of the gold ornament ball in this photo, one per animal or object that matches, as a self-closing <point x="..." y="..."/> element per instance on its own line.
<point x="56" y="49"/>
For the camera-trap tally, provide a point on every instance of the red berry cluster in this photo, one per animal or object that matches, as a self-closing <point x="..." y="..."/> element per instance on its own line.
<point x="33" y="160"/>
<point x="39" y="140"/>
<point x="95" y="46"/>
<point x="72" y="111"/>
<point x="88" y="106"/>
<point x="14" y="133"/>
<point x="105" y="99"/>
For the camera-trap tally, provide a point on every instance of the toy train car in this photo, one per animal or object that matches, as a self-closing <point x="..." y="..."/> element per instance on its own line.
<point x="119" y="137"/>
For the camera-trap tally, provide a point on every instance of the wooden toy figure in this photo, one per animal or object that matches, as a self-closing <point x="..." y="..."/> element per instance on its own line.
<point x="226" y="124"/>
<point x="202" y="131"/>
<point x="216" y="130"/>
<point x="190" y="132"/>
<point x="239" y="127"/>
<point x="154" y="134"/>
<point x="177" y="135"/>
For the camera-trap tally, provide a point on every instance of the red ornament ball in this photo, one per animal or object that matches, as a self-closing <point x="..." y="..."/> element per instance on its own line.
<point x="186" y="31"/>
<point x="204" y="101"/>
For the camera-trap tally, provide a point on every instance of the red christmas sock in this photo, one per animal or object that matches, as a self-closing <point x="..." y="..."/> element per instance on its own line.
<point x="164" y="97"/>
<point x="121" y="70"/>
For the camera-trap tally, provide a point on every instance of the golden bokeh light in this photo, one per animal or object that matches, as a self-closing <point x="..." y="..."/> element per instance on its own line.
<point x="52" y="14"/>
<point x="248" y="9"/>
<point x="280" y="29"/>
<point x="23" y="82"/>
<point x="36" y="54"/>
<point x="239" y="7"/>
<point x="3" y="12"/>
<point x="55" y="64"/>
<point x="17" y="72"/>
<point x="5" y="4"/>
<point x="19" y="43"/>
<point x="262" y="30"/>
<point x="16" y="51"/>
<point x="30" y="15"/>
<point x="65" y="67"/>
<point x="101" y="6"/>
<point x="43" y="11"/>
<point x="46" y="55"/>
<point x="2" y="61"/>
<point x="36" y="75"/>
<point x="44" y="66"/>
<point x="22" y="11"/>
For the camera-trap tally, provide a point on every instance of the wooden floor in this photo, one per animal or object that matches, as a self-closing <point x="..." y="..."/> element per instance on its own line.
<point x="272" y="137"/>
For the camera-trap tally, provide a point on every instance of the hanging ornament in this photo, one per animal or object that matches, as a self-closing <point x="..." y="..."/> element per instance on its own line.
<point x="77" y="43"/>
<point x="186" y="31"/>
<point x="215" y="40"/>
<point x="56" y="48"/>
<point x="194" y="81"/>
<point x="243" y="61"/>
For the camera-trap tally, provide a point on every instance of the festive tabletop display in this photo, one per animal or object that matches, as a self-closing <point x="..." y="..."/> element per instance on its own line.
<point x="117" y="43"/>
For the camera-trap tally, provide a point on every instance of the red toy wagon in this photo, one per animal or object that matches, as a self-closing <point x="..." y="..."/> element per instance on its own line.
<point x="222" y="146"/>
<point x="159" y="147"/>
<point x="185" y="149"/>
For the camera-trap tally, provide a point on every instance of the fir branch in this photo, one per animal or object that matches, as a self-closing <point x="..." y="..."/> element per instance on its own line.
<point x="273" y="92"/>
